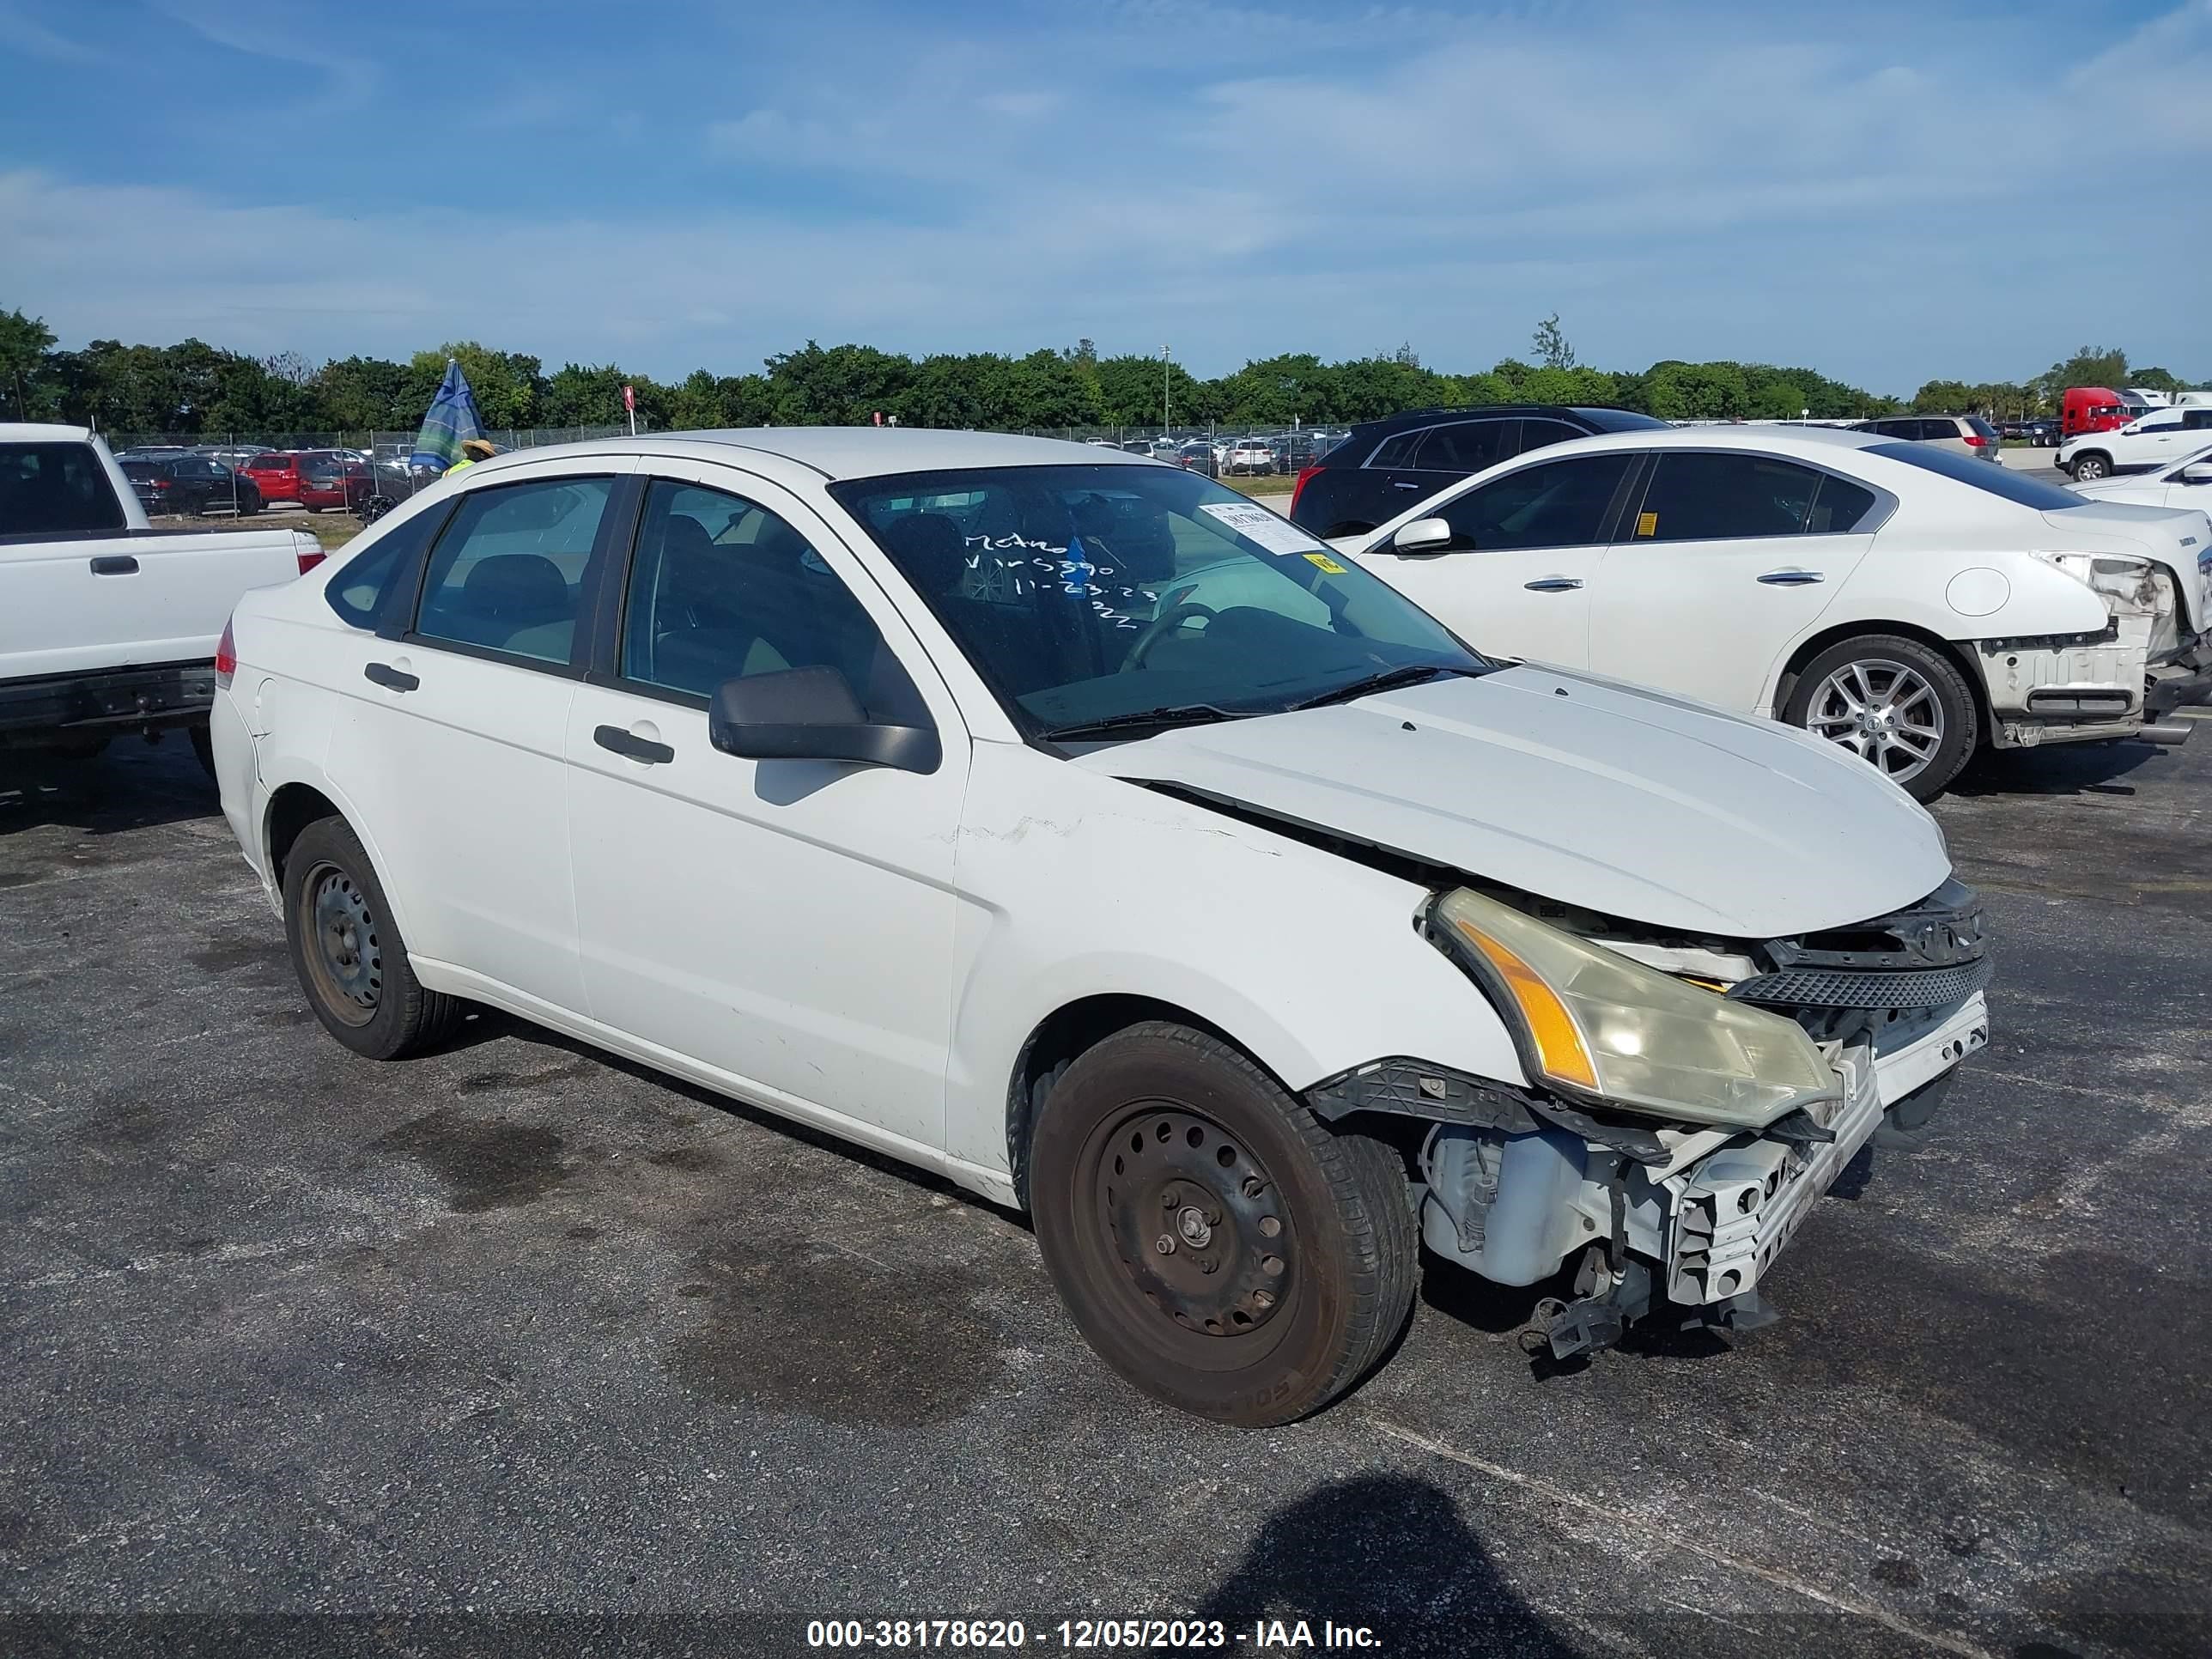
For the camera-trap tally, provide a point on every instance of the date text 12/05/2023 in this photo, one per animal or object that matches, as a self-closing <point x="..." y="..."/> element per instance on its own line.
<point x="1088" y="1635"/>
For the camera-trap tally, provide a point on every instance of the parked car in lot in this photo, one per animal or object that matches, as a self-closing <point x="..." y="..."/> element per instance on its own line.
<point x="1197" y="456"/>
<point x="276" y="475"/>
<point x="232" y="456"/>
<point x="2186" y="483"/>
<point x="2155" y="441"/>
<point x="333" y="478"/>
<point x="1894" y="598"/>
<point x="107" y="626"/>
<point x="1248" y="456"/>
<point x="899" y="783"/>
<point x="1962" y="434"/>
<point x="191" y="484"/>
<point x="1383" y="467"/>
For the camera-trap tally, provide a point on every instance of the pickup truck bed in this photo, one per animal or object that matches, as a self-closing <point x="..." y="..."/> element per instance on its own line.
<point x="113" y="627"/>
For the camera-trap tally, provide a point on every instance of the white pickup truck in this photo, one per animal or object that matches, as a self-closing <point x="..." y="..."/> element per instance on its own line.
<point x="107" y="625"/>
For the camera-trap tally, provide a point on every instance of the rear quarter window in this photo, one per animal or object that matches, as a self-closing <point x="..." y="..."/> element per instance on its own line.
<point x="359" y="589"/>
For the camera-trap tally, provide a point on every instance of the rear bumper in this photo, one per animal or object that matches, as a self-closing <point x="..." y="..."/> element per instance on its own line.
<point x="126" y="699"/>
<point x="2082" y="692"/>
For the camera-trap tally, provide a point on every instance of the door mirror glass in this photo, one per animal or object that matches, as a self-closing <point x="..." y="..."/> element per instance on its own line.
<point x="1422" y="535"/>
<point x="812" y="713"/>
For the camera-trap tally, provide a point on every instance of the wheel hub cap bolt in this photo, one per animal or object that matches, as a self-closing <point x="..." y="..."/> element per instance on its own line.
<point x="1263" y="1299"/>
<point x="1165" y="1244"/>
<point x="1208" y="1266"/>
<point x="1196" y="1227"/>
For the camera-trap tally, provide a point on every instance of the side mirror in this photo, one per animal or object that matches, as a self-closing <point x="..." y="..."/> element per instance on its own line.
<point x="811" y="714"/>
<point x="1422" y="535"/>
<point x="2199" y="474"/>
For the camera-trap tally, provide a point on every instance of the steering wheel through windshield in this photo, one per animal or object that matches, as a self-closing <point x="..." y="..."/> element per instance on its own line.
<point x="1160" y="627"/>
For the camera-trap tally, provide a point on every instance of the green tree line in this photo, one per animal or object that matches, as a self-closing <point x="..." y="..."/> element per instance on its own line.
<point x="194" y="388"/>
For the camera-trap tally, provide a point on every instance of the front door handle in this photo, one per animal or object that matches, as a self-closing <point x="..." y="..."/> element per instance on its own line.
<point x="115" y="564"/>
<point x="1399" y="483"/>
<point x="629" y="743"/>
<point x="1792" y="578"/>
<point x="1553" y="584"/>
<point x="391" y="679"/>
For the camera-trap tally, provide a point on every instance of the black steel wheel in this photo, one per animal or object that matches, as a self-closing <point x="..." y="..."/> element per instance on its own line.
<point x="1219" y="1247"/>
<point x="348" y="953"/>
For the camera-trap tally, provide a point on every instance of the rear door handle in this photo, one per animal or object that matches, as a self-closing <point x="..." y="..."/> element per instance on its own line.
<point x="115" y="564"/>
<point x="1792" y="578"/>
<point x="1553" y="584"/>
<point x="629" y="743"/>
<point x="392" y="680"/>
<point x="1399" y="483"/>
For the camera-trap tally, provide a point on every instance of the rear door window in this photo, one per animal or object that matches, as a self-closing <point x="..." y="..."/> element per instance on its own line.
<point x="507" y="575"/>
<point x="1539" y="434"/>
<point x="1564" y="503"/>
<point x="1465" y="446"/>
<point x="1703" y="496"/>
<point x="55" y="490"/>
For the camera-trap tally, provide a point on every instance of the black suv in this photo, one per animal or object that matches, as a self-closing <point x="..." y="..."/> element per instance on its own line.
<point x="1385" y="466"/>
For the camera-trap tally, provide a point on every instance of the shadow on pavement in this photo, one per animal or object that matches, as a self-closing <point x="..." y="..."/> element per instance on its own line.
<point x="2063" y="769"/>
<point x="1388" y="1552"/>
<point x="131" y="785"/>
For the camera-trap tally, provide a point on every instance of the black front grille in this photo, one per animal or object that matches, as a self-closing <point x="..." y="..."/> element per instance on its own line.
<point x="1845" y="987"/>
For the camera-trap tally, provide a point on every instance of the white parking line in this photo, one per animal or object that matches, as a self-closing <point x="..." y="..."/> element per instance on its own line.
<point x="1668" y="1538"/>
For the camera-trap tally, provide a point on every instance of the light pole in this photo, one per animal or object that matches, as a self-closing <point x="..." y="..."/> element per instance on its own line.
<point x="1163" y="392"/>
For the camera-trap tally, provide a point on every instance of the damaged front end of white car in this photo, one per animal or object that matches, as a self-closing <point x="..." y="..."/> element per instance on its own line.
<point x="1688" y="1098"/>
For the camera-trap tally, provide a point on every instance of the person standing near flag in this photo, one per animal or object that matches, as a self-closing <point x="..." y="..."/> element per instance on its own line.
<point x="472" y="450"/>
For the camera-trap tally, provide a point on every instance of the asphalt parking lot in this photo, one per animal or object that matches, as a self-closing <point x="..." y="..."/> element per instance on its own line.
<point x="515" y="1330"/>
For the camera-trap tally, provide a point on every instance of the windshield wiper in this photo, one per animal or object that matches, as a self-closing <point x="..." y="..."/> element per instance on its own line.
<point x="1389" y="680"/>
<point x="1189" y="714"/>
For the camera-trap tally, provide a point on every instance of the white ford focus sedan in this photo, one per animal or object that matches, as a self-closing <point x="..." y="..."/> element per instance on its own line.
<point x="1064" y="823"/>
<point x="1908" y="604"/>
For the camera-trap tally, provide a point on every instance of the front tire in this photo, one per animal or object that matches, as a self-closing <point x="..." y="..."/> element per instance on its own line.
<point x="348" y="952"/>
<point x="1902" y="706"/>
<point x="1218" y="1246"/>
<point x="2089" y="468"/>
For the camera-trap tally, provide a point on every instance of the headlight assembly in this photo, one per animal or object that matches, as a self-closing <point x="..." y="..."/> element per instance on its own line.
<point x="1595" y="1024"/>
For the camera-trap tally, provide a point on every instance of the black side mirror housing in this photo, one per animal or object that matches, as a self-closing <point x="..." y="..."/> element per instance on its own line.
<point x="812" y="713"/>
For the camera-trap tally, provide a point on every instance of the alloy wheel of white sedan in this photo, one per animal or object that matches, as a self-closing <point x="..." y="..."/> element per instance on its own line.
<point x="1882" y="712"/>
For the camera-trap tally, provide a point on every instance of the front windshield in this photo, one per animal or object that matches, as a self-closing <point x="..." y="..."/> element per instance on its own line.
<point x="1089" y="593"/>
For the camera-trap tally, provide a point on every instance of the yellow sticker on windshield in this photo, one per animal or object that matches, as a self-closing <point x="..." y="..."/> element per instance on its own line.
<point x="1323" y="564"/>
<point x="1647" y="524"/>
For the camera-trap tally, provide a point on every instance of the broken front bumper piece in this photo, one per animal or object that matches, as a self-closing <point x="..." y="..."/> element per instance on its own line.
<point x="1692" y="1232"/>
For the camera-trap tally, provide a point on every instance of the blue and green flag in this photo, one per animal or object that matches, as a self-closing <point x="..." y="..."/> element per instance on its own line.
<point x="453" y="417"/>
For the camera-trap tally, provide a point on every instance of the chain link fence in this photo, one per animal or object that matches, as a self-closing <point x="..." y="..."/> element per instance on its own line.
<point x="239" y="474"/>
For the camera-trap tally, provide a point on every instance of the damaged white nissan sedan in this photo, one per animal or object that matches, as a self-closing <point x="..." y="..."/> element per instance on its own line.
<point x="1909" y="604"/>
<point x="1070" y="826"/>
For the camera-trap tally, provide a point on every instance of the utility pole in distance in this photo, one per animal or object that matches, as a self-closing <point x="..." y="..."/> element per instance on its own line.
<point x="1163" y="392"/>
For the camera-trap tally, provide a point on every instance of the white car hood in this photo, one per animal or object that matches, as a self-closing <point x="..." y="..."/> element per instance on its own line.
<point x="2180" y="538"/>
<point x="1583" y="791"/>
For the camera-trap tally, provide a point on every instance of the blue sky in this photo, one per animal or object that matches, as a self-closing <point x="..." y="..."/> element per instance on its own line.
<point x="1889" y="192"/>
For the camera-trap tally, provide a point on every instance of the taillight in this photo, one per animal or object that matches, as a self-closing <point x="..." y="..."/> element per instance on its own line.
<point x="226" y="658"/>
<point x="1975" y="439"/>
<point x="309" y="558"/>
<point x="1298" y="488"/>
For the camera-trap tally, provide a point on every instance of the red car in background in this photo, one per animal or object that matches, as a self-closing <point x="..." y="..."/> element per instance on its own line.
<point x="276" y="475"/>
<point x="333" y="478"/>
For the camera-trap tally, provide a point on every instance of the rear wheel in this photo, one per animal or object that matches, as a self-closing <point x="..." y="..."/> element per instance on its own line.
<point x="348" y="952"/>
<point x="1900" y="706"/>
<point x="1218" y="1246"/>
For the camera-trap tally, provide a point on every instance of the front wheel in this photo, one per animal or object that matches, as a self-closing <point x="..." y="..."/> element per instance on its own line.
<point x="1218" y="1246"/>
<point x="1900" y="706"/>
<point x="2088" y="468"/>
<point x="347" y="950"/>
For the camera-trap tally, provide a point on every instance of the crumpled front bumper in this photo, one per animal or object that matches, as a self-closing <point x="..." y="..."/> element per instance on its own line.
<point x="1733" y="1210"/>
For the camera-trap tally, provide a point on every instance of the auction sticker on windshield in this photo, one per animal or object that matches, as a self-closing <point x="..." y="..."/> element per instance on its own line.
<point x="1257" y="524"/>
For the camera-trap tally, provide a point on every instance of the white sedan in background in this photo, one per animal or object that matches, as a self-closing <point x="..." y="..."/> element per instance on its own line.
<point x="897" y="781"/>
<point x="1908" y="604"/>
<point x="2186" y="483"/>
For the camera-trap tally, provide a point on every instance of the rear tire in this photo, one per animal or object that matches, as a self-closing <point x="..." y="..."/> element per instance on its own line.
<point x="348" y="952"/>
<point x="1292" y="1251"/>
<point x="1901" y="706"/>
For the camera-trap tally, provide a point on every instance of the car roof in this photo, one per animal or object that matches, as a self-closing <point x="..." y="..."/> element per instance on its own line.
<point x="1736" y="434"/>
<point x="1596" y="415"/>
<point x="41" y="432"/>
<point x="846" y="452"/>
